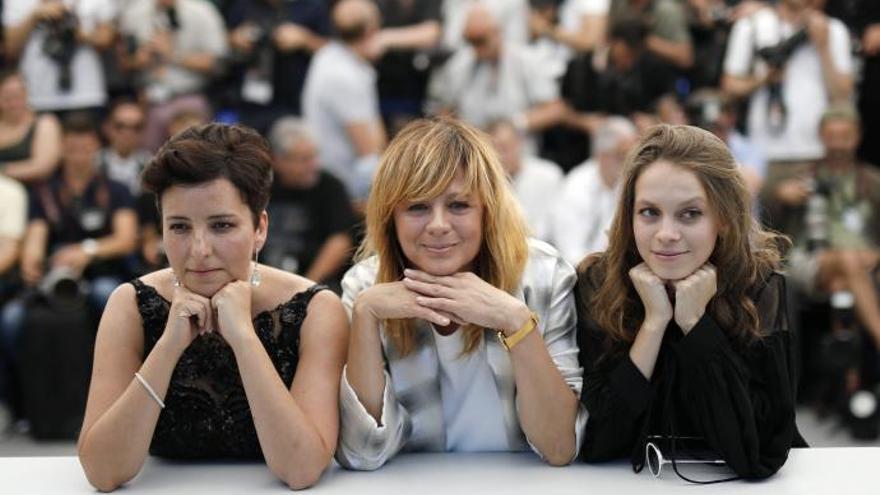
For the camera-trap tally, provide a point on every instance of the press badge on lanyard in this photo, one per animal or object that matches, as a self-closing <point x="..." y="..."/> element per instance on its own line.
<point x="92" y="219"/>
<point x="852" y="220"/>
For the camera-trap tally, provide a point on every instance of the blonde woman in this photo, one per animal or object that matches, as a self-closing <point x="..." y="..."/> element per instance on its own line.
<point x="462" y="328"/>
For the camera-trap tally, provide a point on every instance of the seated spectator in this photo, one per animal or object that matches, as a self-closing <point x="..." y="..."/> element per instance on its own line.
<point x="57" y="45"/>
<point x="124" y="158"/>
<point x="587" y="201"/>
<point x="840" y="249"/>
<point x="717" y="112"/>
<point x="272" y="43"/>
<point x="312" y="219"/>
<point x="629" y="84"/>
<point x="30" y="144"/>
<point x="788" y="90"/>
<point x="410" y="30"/>
<point x="185" y="118"/>
<point x="340" y="100"/>
<point x="561" y="28"/>
<point x="668" y="36"/>
<point x="179" y="44"/>
<point x="80" y="224"/>
<point x="13" y="218"/>
<point x="535" y="181"/>
<point x="512" y="16"/>
<point x="492" y="78"/>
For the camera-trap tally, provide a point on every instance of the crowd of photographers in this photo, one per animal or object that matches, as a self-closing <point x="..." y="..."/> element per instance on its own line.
<point x="91" y="88"/>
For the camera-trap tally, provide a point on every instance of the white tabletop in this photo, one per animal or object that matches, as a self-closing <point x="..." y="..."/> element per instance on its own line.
<point x="835" y="471"/>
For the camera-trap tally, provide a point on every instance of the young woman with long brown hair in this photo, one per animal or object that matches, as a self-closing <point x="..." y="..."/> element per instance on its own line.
<point x="682" y="329"/>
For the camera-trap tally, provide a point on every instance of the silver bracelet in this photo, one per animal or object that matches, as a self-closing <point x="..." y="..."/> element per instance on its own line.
<point x="149" y="389"/>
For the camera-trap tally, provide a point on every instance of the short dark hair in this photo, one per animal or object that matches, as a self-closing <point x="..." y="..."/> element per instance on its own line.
<point x="79" y="123"/>
<point x="632" y="32"/>
<point x="207" y="152"/>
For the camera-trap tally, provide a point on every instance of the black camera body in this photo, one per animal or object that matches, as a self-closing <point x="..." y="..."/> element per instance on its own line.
<point x="777" y="55"/>
<point x="260" y="34"/>
<point x="60" y="45"/>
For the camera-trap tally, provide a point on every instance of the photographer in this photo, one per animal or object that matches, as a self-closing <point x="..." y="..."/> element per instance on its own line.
<point x="81" y="225"/>
<point x="177" y="48"/>
<point x="271" y="46"/>
<point x="56" y="44"/>
<point x="795" y="80"/>
<point x="839" y="250"/>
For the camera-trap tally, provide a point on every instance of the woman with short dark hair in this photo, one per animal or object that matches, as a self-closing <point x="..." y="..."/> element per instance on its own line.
<point x="216" y="356"/>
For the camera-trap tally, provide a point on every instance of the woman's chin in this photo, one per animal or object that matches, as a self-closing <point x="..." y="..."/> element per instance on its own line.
<point x="672" y="274"/>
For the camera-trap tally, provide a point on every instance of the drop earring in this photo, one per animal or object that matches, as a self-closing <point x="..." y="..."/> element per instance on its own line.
<point x="174" y="280"/>
<point x="256" y="279"/>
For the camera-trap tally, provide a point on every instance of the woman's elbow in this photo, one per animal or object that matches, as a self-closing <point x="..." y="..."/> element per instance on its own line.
<point x="103" y="482"/>
<point x="301" y="478"/>
<point x="560" y="454"/>
<point x="99" y="474"/>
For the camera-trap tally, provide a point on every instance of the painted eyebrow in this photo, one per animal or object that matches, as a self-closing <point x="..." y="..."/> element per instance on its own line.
<point x="695" y="199"/>
<point x="224" y="216"/>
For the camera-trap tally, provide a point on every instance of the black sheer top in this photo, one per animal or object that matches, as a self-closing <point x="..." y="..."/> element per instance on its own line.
<point x="739" y="398"/>
<point x="206" y="411"/>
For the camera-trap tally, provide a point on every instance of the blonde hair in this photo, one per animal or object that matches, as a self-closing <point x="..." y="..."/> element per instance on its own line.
<point x="745" y="253"/>
<point x="419" y="165"/>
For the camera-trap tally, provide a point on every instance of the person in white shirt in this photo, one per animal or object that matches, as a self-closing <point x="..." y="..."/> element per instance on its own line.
<point x="340" y="99"/>
<point x="561" y="28"/>
<point x="818" y="71"/>
<point x="512" y="15"/>
<point x="585" y="207"/>
<point x="491" y="78"/>
<point x="64" y="77"/>
<point x="180" y="44"/>
<point x="535" y="181"/>
<point x="123" y="159"/>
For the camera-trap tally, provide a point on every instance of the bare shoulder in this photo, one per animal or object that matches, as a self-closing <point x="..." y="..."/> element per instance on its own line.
<point x="161" y="281"/>
<point x="121" y="321"/>
<point x="48" y="122"/>
<point x="278" y="286"/>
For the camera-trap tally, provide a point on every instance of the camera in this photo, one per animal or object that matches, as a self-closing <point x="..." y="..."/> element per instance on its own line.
<point x="60" y="46"/>
<point x="777" y="55"/>
<point x="260" y="34"/>
<point x="61" y="283"/>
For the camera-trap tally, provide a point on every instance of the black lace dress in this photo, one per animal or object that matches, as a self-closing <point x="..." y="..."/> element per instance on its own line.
<point x="206" y="411"/>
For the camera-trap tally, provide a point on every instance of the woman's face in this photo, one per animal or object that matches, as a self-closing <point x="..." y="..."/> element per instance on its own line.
<point x="209" y="235"/>
<point x="441" y="236"/>
<point x="674" y="225"/>
<point x="13" y="96"/>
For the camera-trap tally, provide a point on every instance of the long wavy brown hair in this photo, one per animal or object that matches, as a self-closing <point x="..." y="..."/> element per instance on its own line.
<point x="745" y="254"/>
<point x="419" y="165"/>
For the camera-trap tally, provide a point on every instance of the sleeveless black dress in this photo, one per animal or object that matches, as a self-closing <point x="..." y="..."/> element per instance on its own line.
<point x="206" y="411"/>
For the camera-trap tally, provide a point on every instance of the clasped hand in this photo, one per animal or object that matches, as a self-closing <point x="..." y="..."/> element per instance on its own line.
<point x="227" y="312"/>
<point x="692" y="294"/>
<point x="460" y="299"/>
<point x="465" y="299"/>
